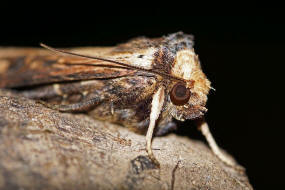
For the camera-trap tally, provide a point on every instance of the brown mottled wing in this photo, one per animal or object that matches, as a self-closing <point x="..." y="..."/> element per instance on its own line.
<point x="30" y="66"/>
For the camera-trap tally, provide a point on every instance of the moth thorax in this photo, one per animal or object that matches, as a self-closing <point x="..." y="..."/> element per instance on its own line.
<point x="185" y="62"/>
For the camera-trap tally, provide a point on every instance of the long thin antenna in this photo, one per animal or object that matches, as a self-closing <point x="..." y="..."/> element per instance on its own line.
<point x="111" y="61"/>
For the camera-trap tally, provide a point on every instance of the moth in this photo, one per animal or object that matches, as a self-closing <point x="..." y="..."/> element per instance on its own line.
<point x="141" y="84"/>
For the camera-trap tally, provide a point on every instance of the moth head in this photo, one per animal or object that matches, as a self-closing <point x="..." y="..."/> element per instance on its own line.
<point x="188" y="99"/>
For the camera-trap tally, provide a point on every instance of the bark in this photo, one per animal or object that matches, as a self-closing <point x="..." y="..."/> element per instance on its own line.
<point x="44" y="149"/>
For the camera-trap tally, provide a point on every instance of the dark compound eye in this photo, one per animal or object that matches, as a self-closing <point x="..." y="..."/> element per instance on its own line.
<point x="179" y="94"/>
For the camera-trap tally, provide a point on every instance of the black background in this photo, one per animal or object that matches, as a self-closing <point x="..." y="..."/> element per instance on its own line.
<point x="242" y="56"/>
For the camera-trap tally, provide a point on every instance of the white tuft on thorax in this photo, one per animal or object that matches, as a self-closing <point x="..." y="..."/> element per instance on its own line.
<point x="185" y="63"/>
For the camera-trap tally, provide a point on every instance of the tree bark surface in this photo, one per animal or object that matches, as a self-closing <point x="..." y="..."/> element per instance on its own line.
<point x="44" y="149"/>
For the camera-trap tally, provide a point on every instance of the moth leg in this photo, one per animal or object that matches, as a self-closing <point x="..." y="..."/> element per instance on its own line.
<point x="156" y="107"/>
<point x="166" y="128"/>
<point x="215" y="148"/>
<point x="81" y="106"/>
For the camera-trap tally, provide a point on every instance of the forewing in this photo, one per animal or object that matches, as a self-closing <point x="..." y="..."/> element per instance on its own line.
<point x="27" y="67"/>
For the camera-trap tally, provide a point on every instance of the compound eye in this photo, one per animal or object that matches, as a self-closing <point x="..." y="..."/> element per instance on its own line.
<point x="179" y="94"/>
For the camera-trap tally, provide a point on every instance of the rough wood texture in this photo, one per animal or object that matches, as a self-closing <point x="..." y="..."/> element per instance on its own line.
<point x="43" y="149"/>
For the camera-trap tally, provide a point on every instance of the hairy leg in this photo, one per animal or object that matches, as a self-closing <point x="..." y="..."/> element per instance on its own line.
<point x="204" y="128"/>
<point x="156" y="107"/>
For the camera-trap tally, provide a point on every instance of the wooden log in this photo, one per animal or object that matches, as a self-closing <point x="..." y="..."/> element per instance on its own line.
<point x="44" y="149"/>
